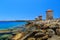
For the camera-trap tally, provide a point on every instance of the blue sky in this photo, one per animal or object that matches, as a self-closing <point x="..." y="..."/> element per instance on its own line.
<point x="27" y="9"/>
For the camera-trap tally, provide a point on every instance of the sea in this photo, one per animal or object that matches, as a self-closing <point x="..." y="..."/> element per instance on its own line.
<point x="10" y="24"/>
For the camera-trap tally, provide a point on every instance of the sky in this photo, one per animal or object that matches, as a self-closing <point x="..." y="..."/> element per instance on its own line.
<point x="27" y="9"/>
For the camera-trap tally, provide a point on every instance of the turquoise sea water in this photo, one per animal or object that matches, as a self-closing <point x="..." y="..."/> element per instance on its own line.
<point x="8" y="25"/>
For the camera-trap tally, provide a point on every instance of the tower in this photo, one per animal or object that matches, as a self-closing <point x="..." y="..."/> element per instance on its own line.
<point x="40" y="17"/>
<point x="49" y="14"/>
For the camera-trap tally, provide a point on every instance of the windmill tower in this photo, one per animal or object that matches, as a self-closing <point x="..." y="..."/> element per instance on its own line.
<point x="49" y="14"/>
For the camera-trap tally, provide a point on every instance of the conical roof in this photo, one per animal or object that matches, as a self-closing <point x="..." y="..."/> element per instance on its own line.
<point x="49" y="10"/>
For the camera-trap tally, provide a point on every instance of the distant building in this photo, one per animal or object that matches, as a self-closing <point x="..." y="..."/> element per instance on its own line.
<point x="40" y="17"/>
<point x="36" y="19"/>
<point x="49" y="14"/>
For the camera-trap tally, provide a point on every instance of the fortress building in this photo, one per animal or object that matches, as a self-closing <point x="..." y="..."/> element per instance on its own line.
<point x="49" y="14"/>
